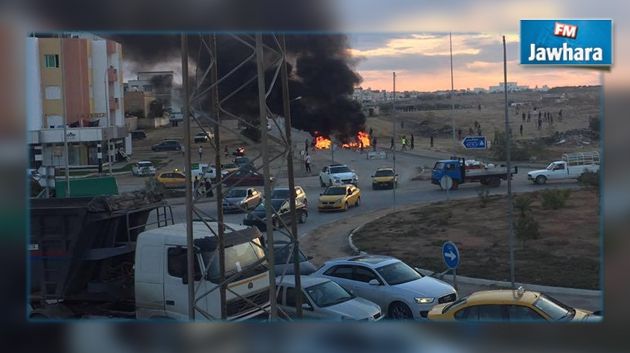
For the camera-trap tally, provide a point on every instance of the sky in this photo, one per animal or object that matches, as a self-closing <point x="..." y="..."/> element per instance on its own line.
<point x="411" y="38"/>
<point x="421" y="61"/>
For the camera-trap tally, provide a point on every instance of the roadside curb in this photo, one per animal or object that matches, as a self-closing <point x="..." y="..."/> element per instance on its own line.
<point x="488" y="282"/>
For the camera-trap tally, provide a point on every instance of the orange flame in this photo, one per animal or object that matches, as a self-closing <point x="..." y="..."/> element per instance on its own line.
<point x="322" y="143"/>
<point x="362" y="139"/>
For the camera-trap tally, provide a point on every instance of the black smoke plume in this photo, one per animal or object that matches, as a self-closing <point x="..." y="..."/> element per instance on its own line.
<point x="322" y="74"/>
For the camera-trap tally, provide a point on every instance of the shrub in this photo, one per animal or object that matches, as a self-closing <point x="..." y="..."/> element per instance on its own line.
<point x="484" y="197"/>
<point x="526" y="228"/>
<point x="555" y="198"/>
<point x="523" y="203"/>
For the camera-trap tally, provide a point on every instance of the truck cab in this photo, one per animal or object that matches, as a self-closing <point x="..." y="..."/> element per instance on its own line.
<point x="161" y="281"/>
<point x="450" y="167"/>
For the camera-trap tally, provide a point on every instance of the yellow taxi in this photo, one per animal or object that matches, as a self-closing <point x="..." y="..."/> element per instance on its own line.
<point x="173" y="179"/>
<point x="384" y="178"/>
<point x="509" y="305"/>
<point x="339" y="197"/>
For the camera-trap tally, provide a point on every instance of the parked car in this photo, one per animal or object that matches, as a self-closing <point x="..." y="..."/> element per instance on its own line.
<point x="143" y="168"/>
<point x="325" y="300"/>
<point x="282" y="193"/>
<point x="138" y="135"/>
<point x="241" y="199"/>
<point x="400" y="291"/>
<point x="384" y="178"/>
<point x="336" y="198"/>
<point x="246" y="178"/>
<point x="172" y="179"/>
<point x="167" y="145"/>
<point x="243" y="163"/>
<point x="283" y="256"/>
<point x="281" y="210"/>
<point x="509" y="305"/>
<point x="203" y="137"/>
<point x="337" y="174"/>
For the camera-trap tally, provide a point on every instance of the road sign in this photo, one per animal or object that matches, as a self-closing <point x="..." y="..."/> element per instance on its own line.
<point x="446" y="182"/>
<point x="450" y="254"/>
<point x="475" y="142"/>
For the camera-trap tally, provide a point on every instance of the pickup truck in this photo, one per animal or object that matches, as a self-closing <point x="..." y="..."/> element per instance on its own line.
<point x="462" y="172"/>
<point x="572" y="166"/>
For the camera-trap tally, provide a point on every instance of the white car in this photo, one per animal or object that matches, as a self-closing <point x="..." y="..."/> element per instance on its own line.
<point x="324" y="299"/>
<point x="337" y="174"/>
<point x="203" y="170"/>
<point x="143" y="168"/>
<point x="400" y="291"/>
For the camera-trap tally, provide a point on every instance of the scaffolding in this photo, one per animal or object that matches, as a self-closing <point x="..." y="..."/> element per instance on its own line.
<point x="204" y="109"/>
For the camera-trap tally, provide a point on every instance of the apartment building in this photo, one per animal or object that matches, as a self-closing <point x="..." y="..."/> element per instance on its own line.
<point x="74" y="84"/>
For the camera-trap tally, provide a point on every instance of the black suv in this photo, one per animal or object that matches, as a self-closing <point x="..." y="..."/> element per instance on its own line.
<point x="167" y="145"/>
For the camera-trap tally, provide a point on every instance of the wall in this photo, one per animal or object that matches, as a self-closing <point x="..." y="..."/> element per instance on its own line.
<point x="75" y="79"/>
<point x="34" y="108"/>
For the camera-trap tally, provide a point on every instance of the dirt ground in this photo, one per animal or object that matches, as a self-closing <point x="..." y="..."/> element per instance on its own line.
<point x="578" y="104"/>
<point x="567" y="254"/>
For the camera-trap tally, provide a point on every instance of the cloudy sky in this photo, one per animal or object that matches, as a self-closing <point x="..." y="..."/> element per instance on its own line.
<point x="421" y="62"/>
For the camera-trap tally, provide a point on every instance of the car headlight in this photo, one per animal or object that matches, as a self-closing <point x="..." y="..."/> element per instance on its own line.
<point x="424" y="300"/>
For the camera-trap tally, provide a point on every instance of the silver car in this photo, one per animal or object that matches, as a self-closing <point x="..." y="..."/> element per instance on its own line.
<point x="241" y="199"/>
<point x="401" y="291"/>
<point x="324" y="299"/>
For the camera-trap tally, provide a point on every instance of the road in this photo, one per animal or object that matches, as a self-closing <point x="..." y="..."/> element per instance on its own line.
<point x="409" y="191"/>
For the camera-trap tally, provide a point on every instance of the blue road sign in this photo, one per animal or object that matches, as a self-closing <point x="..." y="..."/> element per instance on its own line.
<point x="450" y="254"/>
<point x="475" y="142"/>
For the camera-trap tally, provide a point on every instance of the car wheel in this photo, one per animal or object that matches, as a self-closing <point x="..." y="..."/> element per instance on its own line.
<point x="303" y="217"/>
<point x="321" y="182"/>
<point x="541" y="179"/>
<point x="400" y="311"/>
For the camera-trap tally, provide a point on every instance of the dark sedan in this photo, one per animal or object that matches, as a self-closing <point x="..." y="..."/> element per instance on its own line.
<point x="246" y="178"/>
<point x="258" y="215"/>
<point x="167" y="145"/>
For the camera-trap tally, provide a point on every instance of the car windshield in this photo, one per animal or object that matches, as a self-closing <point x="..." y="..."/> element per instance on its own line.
<point x="236" y="193"/>
<point x="327" y="294"/>
<point x="553" y="308"/>
<point x="384" y="172"/>
<point x="281" y="255"/>
<point x="438" y="166"/>
<point x="335" y="191"/>
<point x="337" y="170"/>
<point x="280" y="194"/>
<point x="237" y="258"/>
<point x="398" y="273"/>
<point x="275" y="204"/>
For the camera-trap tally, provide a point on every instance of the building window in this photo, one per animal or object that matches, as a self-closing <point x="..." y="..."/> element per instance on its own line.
<point x="52" y="60"/>
<point x="52" y="92"/>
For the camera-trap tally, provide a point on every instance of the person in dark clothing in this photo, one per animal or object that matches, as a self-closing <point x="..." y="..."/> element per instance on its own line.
<point x="412" y="142"/>
<point x="523" y="116"/>
<point x="521" y="129"/>
<point x="306" y="145"/>
<point x="391" y="146"/>
<point x="431" y="140"/>
<point x="208" y="186"/>
<point x="459" y="134"/>
<point x="374" y="143"/>
<point x="371" y="131"/>
<point x="225" y="151"/>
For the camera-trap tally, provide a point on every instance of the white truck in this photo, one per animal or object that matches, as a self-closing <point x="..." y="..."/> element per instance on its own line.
<point x="97" y="258"/>
<point x="572" y="166"/>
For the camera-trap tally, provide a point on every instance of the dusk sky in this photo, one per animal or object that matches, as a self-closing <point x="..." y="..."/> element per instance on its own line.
<point x="421" y="61"/>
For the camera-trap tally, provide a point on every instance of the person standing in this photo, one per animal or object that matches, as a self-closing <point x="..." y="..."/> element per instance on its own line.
<point x="412" y="141"/>
<point x="521" y="130"/>
<point x="371" y="131"/>
<point x="391" y="146"/>
<point x="225" y="151"/>
<point x="200" y="153"/>
<point x="306" y="145"/>
<point x="374" y="143"/>
<point x="208" y="186"/>
<point x="431" y="140"/>
<point x="307" y="163"/>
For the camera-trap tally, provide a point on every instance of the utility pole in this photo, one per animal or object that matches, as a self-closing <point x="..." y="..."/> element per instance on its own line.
<point x="109" y="124"/>
<point x="508" y="140"/>
<point x="394" y="132"/>
<point x="450" y="40"/>
<point x="187" y="165"/>
<point x="65" y="118"/>
<point x="215" y="109"/>
<point x="262" y="106"/>
<point x="287" y="127"/>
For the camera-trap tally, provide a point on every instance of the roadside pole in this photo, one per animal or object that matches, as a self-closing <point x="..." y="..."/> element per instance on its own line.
<point x="262" y="106"/>
<point x="187" y="165"/>
<point x="450" y="40"/>
<point x="287" y="128"/>
<point x="394" y="133"/>
<point x="65" y="119"/>
<point x="508" y="140"/>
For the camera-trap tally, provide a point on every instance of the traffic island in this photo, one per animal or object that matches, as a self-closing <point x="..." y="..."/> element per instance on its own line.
<point x="557" y="243"/>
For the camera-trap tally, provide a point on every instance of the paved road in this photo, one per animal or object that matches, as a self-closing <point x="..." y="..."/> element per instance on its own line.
<point x="408" y="192"/>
